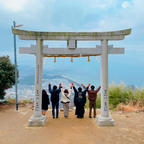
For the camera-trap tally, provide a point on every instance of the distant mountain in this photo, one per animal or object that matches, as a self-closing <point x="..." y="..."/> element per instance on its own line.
<point x="26" y="85"/>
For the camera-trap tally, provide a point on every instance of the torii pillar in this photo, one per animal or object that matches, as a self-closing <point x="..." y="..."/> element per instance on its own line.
<point x="104" y="118"/>
<point x="37" y="119"/>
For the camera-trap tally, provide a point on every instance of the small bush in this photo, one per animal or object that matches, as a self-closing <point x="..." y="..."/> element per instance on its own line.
<point x="87" y="102"/>
<point x="98" y="102"/>
<point x="10" y="101"/>
<point x="122" y="94"/>
<point x="7" y="75"/>
<point x="26" y="101"/>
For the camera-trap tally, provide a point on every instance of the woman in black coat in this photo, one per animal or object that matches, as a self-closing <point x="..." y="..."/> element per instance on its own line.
<point x="79" y="101"/>
<point x="45" y="102"/>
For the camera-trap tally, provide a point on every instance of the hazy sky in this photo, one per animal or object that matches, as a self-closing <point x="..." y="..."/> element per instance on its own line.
<point x="80" y="15"/>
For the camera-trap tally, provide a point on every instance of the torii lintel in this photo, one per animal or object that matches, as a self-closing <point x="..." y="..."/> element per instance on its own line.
<point x="89" y="36"/>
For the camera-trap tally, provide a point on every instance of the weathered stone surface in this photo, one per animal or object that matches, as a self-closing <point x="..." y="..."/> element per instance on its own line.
<point x="64" y="52"/>
<point x="33" y="35"/>
<point x="36" y="121"/>
<point x="105" y="121"/>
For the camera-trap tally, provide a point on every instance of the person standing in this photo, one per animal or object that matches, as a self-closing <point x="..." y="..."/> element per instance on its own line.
<point x="45" y="102"/>
<point x="55" y="99"/>
<point x="79" y="101"/>
<point x="92" y="96"/>
<point x="65" y="100"/>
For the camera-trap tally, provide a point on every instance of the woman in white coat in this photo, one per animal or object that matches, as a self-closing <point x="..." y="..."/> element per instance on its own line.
<point x="65" y="100"/>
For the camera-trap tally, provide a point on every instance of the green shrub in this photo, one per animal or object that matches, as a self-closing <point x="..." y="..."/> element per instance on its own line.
<point x="119" y="94"/>
<point x="11" y="101"/>
<point x="98" y="102"/>
<point x="125" y="95"/>
<point x="26" y="101"/>
<point x="122" y="94"/>
<point x="7" y="75"/>
<point x="87" y="102"/>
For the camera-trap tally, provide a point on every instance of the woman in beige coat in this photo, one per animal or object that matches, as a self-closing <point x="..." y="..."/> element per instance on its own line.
<point x="65" y="100"/>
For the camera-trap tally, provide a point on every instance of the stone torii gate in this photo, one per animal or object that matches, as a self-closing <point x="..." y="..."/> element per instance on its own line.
<point x="40" y="51"/>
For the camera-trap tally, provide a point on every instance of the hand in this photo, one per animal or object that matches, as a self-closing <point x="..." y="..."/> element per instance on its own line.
<point x="82" y="84"/>
<point x="88" y="85"/>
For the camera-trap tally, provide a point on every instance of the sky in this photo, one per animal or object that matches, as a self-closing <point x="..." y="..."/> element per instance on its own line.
<point x="79" y="16"/>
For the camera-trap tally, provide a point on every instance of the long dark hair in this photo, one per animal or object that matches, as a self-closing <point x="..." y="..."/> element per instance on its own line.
<point x="45" y="97"/>
<point x="44" y="92"/>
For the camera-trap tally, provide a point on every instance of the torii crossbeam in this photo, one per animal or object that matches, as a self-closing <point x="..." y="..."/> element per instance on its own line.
<point x="40" y="51"/>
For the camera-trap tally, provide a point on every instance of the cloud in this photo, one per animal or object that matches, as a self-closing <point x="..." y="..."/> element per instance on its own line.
<point x="73" y="15"/>
<point x="21" y="5"/>
<point x="125" y="4"/>
<point x="14" y="5"/>
<point x="127" y="14"/>
<point x="101" y="4"/>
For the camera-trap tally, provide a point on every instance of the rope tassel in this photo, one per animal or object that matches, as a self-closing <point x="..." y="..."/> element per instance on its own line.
<point x="88" y="59"/>
<point x="54" y="59"/>
<point x="71" y="59"/>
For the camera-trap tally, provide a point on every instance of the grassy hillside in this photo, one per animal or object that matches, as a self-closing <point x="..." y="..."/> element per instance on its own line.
<point x="121" y="94"/>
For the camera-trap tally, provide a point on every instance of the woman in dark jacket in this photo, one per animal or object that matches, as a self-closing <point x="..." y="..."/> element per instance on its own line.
<point x="45" y="102"/>
<point x="79" y="101"/>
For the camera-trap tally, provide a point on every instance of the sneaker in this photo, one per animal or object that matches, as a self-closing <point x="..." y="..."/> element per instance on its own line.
<point x="90" y="117"/>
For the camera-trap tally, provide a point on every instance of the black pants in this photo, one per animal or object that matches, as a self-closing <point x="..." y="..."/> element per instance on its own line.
<point x="55" y="105"/>
<point x="80" y="111"/>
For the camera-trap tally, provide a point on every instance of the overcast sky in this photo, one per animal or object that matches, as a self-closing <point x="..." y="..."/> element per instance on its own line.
<point x="80" y="15"/>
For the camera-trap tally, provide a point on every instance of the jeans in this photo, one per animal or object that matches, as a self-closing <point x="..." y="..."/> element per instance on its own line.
<point x="55" y="105"/>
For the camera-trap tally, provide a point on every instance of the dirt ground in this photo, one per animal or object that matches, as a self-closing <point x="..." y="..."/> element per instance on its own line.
<point x="128" y="129"/>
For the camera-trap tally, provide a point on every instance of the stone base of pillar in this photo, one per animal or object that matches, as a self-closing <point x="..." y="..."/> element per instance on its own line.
<point x="36" y="121"/>
<point x="105" y="121"/>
